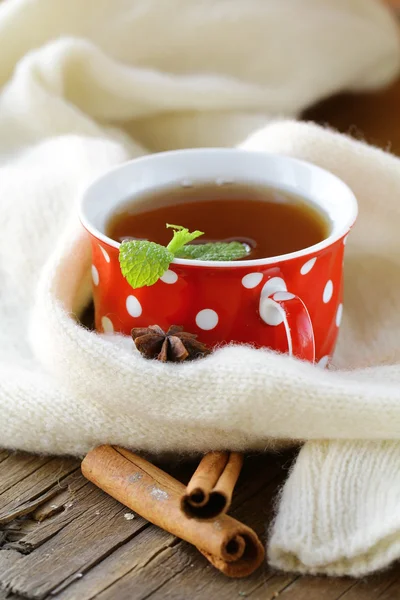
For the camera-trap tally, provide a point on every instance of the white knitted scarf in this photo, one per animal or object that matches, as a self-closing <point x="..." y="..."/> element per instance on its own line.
<point x="87" y="85"/>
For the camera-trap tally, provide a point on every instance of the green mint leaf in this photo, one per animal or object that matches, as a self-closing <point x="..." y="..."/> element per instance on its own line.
<point x="181" y="237"/>
<point x="143" y="263"/>
<point x="214" y="251"/>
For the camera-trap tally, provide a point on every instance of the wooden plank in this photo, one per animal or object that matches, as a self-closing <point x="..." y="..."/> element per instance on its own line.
<point x="258" y="472"/>
<point x="7" y="559"/>
<point x="132" y="556"/>
<point x="392" y="592"/>
<point x="158" y="553"/>
<point x="3" y="455"/>
<point x="314" y="588"/>
<point x="156" y="565"/>
<point x="271" y="588"/>
<point x="256" y="511"/>
<point x="24" y="496"/>
<point x="180" y="571"/>
<point x="373" y="587"/>
<point x="85" y="541"/>
<point x="77" y="497"/>
<point x="197" y="584"/>
<point x="66" y="499"/>
<point x="145" y="581"/>
<point x="62" y="500"/>
<point x="18" y="466"/>
<point x="6" y="596"/>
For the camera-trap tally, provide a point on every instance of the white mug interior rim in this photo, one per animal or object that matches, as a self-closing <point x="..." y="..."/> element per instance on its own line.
<point x="315" y="185"/>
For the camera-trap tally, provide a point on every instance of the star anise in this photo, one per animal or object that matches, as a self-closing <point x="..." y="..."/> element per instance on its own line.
<point x="175" y="345"/>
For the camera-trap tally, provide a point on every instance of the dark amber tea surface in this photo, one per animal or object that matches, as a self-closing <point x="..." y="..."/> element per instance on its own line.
<point x="271" y="222"/>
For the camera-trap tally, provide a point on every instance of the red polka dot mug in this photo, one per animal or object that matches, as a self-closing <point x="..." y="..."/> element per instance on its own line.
<point x="290" y="303"/>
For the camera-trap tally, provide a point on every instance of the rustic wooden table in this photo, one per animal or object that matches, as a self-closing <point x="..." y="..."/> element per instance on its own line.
<point x="61" y="538"/>
<point x="64" y="539"/>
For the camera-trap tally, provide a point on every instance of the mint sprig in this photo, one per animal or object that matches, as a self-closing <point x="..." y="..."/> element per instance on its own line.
<point x="143" y="263"/>
<point x="213" y="251"/>
<point x="181" y="237"/>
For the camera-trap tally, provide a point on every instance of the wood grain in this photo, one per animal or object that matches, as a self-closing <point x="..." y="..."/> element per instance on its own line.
<point x="83" y="542"/>
<point x="154" y="556"/>
<point x="30" y="536"/>
<point x="89" y="550"/>
<point x="376" y="586"/>
<point x="3" y="455"/>
<point x="22" y="497"/>
<point x="15" y="468"/>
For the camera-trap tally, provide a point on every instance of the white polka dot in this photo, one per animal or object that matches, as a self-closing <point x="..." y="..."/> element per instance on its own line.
<point x="345" y="239"/>
<point x="283" y="296"/>
<point x="133" y="306"/>
<point x="323" y="362"/>
<point x="339" y="315"/>
<point x="95" y="275"/>
<point x="107" y="325"/>
<point x="270" y="312"/>
<point x="105" y="253"/>
<point x="328" y="291"/>
<point x="275" y="284"/>
<point x="306" y="268"/>
<point x="251" y="280"/>
<point x="206" y="319"/>
<point x="169" y="277"/>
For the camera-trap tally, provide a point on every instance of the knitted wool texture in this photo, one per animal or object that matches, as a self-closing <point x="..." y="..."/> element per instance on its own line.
<point x="85" y="88"/>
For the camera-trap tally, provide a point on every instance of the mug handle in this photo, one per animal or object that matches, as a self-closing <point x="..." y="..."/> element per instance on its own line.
<point x="284" y="307"/>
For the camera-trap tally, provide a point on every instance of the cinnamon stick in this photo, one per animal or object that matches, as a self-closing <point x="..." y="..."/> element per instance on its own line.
<point x="230" y="546"/>
<point x="209" y="492"/>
